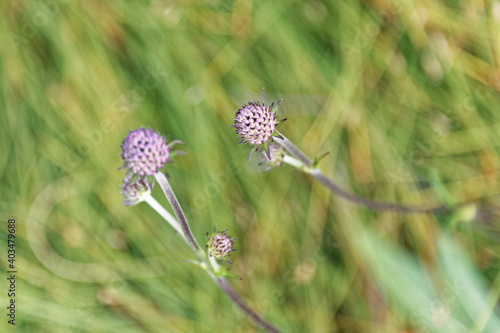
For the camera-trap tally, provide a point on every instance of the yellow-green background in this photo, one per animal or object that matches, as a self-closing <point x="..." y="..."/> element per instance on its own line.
<point x="400" y="93"/>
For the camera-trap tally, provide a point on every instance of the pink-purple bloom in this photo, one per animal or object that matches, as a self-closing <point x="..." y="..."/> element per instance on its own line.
<point x="145" y="152"/>
<point x="255" y="123"/>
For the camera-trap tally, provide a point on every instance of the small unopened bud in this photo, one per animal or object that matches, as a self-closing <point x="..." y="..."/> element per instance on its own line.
<point x="220" y="245"/>
<point x="136" y="191"/>
<point x="275" y="158"/>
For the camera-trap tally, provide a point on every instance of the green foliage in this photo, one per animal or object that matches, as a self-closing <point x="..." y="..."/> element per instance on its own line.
<point x="393" y="90"/>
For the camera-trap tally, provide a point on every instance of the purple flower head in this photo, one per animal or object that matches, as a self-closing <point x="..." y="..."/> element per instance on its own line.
<point x="255" y="123"/>
<point x="219" y="244"/>
<point x="136" y="191"/>
<point x="145" y="152"/>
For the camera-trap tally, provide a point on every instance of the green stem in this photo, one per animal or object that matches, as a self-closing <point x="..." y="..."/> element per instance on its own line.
<point x="372" y="204"/>
<point x="293" y="162"/>
<point x="165" y="214"/>
<point x="212" y="263"/>
<point x="303" y="163"/>
<point x="292" y="149"/>
<point x="179" y="213"/>
<point x="233" y="295"/>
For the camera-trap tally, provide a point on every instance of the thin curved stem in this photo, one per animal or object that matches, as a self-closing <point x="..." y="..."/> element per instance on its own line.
<point x="233" y="295"/>
<point x="183" y="225"/>
<point x="372" y="204"/>
<point x="165" y="214"/>
<point x="292" y="149"/>
<point x="308" y="167"/>
<point x="179" y="213"/>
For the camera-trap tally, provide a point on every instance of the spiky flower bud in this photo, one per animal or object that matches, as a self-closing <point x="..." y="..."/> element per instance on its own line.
<point x="255" y="123"/>
<point x="219" y="244"/>
<point x="145" y="152"/>
<point x="276" y="156"/>
<point x="136" y="191"/>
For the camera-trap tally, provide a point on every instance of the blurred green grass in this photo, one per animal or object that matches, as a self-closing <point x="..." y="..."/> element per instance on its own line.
<point x="396" y="91"/>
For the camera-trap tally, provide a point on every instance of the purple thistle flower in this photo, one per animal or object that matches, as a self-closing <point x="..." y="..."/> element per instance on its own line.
<point x="256" y="123"/>
<point x="145" y="152"/>
<point x="219" y="244"/>
<point x="135" y="191"/>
